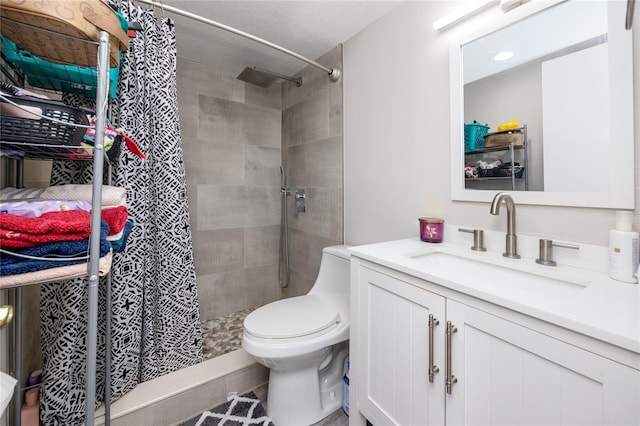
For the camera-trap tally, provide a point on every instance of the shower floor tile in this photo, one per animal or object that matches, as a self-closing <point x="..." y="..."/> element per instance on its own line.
<point x="223" y="334"/>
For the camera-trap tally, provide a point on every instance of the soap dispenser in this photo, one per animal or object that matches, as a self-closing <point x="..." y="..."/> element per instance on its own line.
<point x="623" y="249"/>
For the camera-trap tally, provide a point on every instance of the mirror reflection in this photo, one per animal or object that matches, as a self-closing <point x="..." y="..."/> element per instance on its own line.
<point x="536" y="103"/>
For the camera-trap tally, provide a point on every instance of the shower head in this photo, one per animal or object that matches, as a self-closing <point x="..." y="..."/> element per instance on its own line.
<point x="264" y="78"/>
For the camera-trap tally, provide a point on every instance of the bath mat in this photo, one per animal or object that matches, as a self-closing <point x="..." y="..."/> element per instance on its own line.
<point x="240" y="410"/>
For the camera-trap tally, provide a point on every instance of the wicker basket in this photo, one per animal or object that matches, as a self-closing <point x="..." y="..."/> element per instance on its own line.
<point x="59" y="31"/>
<point x="514" y="137"/>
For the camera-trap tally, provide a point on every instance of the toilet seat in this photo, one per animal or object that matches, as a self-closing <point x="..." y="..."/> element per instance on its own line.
<point x="298" y="317"/>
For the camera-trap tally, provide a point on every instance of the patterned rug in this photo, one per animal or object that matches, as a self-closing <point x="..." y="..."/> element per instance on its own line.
<point x="241" y="410"/>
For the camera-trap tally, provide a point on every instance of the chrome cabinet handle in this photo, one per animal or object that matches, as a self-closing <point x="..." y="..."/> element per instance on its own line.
<point x="451" y="379"/>
<point x="433" y="369"/>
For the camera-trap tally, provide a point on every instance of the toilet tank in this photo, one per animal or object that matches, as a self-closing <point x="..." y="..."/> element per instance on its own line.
<point x="334" y="271"/>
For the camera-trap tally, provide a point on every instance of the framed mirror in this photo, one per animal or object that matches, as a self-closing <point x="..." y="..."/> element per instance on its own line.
<point x="567" y="91"/>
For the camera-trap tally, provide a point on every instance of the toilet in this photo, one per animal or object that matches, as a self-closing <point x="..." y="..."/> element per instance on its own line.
<point x="304" y="342"/>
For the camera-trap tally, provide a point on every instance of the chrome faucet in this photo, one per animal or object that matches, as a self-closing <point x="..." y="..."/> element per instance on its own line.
<point x="511" y="239"/>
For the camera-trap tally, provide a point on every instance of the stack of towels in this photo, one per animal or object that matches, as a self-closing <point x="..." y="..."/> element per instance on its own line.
<point x="44" y="233"/>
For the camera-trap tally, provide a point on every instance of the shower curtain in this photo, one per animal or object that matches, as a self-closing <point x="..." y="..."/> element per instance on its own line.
<point x="155" y="318"/>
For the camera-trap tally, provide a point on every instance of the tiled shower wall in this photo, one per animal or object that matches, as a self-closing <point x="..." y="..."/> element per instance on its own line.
<point x="312" y="146"/>
<point x="235" y="137"/>
<point x="231" y="134"/>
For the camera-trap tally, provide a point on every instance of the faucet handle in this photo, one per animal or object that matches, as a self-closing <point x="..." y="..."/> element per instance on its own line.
<point x="545" y="257"/>
<point x="478" y="238"/>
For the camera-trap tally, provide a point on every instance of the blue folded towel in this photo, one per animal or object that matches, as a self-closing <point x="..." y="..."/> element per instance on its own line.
<point x="120" y="245"/>
<point x="11" y="265"/>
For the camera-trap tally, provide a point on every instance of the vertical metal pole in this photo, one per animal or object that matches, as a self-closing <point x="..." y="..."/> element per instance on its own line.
<point x="17" y="325"/>
<point x="94" y="242"/>
<point x="513" y="165"/>
<point x="17" y="355"/>
<point x="20" y="173"/>
<point x="526" y="158"/>
<point x="107" y="363"/>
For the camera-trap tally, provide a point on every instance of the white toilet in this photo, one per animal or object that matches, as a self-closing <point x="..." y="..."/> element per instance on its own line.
<point x="304" y="342"/>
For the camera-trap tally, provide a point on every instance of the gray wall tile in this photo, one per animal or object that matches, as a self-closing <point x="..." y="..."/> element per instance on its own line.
<point x="264" y="205"/>
<point x="234" y="122"/>
<point x="317" y="163"/>
<point x="241" y="288"/>
<point x="270" y="97"/>
<point x="232" y="134"/>
<point x="317" y="216"/>
<point x="313" y="79"/>
<point x="235" y="136"/>
<point x="196" y="79"/>
<point x="214" y="163"/>
<point x="337" y="215"/>
<point x="218" y="251"/>
<point x="300" y="284"/>
<point x="262" y="166"/>
<point x="221" y="207"/>
<point x="261" y="246"/>
<point x="307" y="120"/>
<point x="312" y="152"/>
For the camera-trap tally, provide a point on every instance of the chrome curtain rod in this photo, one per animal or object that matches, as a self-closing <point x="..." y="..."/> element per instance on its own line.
<point x="333" y="73"/>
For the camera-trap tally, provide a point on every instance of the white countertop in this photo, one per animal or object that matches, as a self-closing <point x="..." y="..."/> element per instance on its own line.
<point x="595" y="305"/>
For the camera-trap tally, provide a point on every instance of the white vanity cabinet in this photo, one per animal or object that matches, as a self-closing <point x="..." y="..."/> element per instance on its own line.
<point x="394" y="334"/>
<point x="506" y="368"/>
<point x="508" y="374"/>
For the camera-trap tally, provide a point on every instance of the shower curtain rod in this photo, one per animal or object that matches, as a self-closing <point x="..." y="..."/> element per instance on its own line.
<point x="333" y="73"/>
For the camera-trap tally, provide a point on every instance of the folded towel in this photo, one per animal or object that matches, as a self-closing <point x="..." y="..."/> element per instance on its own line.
<point x="68" y="250"/>
<point x="120" y="244"/>
<point x="112" y="196"/>
<point x="16" y="194"/>
<point x="115" y="217"/>
<point x="22" y="232"/>
<point x="55" y="274"/>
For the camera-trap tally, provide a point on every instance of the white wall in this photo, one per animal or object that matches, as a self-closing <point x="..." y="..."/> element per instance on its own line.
<point x="560" y="83"/>
<point x="396" y="95"/>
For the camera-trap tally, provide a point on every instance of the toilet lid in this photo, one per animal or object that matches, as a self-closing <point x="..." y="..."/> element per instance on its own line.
<point x="306" y="316"/>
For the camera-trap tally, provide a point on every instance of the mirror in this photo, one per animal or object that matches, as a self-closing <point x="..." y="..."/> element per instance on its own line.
<point x="577" y="148"/>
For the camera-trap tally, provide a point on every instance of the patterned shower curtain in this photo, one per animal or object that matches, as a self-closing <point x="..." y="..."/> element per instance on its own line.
<point x="155" y="319"/>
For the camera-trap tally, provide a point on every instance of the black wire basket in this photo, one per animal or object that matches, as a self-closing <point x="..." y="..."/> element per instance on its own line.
<point x="20" y="125"/>
<point x="518" y="171"/>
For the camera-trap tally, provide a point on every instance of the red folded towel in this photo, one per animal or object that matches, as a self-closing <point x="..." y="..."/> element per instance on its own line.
<point x="22" y="232"/>
<point x="116" y="218"/>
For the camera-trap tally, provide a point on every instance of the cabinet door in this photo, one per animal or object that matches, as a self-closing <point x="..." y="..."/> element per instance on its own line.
<point x="508" y="374"/>
<point x="394" y="321"/>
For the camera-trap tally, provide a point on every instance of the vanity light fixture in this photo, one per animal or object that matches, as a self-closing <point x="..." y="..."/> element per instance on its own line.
<point x="461" y="14"/>
<point x="474" y="7"/>
<point x="507" y="5"/>
<point x="503" y="56"/>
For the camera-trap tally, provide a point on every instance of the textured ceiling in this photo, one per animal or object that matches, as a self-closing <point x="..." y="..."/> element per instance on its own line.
<point x="309" y="28"/>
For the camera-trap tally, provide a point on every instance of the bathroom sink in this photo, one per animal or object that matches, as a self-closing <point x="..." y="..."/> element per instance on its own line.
<point x="518" y="276"/>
